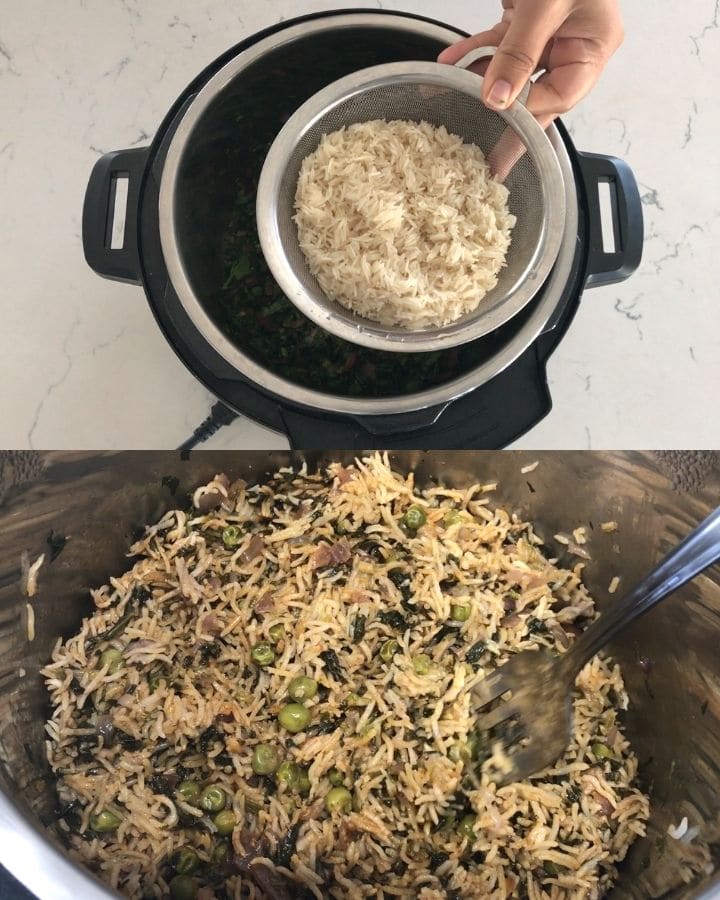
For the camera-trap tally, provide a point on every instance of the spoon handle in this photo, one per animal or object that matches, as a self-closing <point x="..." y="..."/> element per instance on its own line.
<point x="700" y="549"/>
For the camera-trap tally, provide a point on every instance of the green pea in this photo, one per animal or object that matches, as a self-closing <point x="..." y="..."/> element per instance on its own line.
<point x="224" y="821"/>
<point x="185" y="861"/>
<point x="452" y="517"/>
<point x="335" y="777"/>
<point x="302" y="688"/>
<point x="414" y="518"/>
<point x="601" y="751"/>
<point x="183" y="887"/>
<point x="294" y="717"/>
<point x="189" y="791"/>
<point x="303" y="785"/>
<point x="220" y="853"/>
<point x="212" y="798"/>
<point x="263" y="654"/>
<point x="104" y="821"/>
<point x="288" y="773"/>
<point x="277" y="632"/>
<point x="459" y="612"/>
<point x="231" y="536"/>
<point x="264" y="760"/>
<point x="338" y="800"/>
<point x="388" y="650"/>
<point x="466" y="828"/>
<point x="422" y="663"/>
<point x="113" y="659"/>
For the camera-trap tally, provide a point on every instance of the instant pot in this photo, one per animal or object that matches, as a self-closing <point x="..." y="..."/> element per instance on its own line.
<point x="192" y="244"/>
<point x="82" y="511"/>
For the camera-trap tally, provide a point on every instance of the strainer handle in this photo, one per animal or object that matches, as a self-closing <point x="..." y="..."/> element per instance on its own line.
<point x="480" y="53"/>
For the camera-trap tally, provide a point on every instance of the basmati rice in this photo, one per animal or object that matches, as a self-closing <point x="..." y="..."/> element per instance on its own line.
<point x="402" y="223"/>
<point x="31" y="581"/>
<point x="678" y="831"/>
<point x="321" y="568"/>
<point x="30" y="622"/>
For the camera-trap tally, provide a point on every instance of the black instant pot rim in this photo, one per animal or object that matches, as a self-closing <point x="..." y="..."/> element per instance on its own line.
<point x="521" y="387"/>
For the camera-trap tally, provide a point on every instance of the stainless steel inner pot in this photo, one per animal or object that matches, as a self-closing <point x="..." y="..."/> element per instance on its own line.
<point x="670" y="658"/>
<point x="198" y="130"/>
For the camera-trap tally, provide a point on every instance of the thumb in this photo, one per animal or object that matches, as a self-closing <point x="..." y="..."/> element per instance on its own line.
<point x="518" y="55"/>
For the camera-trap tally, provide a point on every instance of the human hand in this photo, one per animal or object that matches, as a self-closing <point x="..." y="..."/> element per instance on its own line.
<point x="571" y="40"/>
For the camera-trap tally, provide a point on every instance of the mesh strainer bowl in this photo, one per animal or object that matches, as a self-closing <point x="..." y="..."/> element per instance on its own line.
<point x="441" y="95"/>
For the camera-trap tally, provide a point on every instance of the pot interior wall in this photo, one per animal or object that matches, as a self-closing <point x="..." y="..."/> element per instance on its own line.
<point x="215" y="223"/>
<point x="669" y="658"/>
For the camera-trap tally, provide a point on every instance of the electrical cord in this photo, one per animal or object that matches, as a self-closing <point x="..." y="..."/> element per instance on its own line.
<point x="220" y="416"/>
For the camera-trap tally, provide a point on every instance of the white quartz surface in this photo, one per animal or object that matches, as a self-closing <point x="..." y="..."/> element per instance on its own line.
<point x="82" y="362"/>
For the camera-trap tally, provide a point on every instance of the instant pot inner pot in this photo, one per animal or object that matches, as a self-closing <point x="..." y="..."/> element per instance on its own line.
<point x="220" y="249"/>
<point x="668" y="659"/>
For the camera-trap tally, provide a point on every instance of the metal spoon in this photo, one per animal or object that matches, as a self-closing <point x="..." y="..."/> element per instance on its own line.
<point x="541" y="685"/>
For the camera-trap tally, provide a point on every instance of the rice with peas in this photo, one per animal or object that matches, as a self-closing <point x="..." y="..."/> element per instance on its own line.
<point x="394" y="603"/>
<point x="402" y="223"/>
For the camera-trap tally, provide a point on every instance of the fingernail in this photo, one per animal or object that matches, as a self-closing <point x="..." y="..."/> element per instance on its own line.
<point x="500" y="93"/>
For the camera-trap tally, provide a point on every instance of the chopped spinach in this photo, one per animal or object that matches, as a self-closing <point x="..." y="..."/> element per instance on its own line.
<point x="286" y="846"/>
<point x="475" y="653"/>
<point x="358" y="629"/>
<point x="394" y="620"/>
<point x="332" y="664"/>
<point x="324" y="726"/>
<point x="443" y="632"/>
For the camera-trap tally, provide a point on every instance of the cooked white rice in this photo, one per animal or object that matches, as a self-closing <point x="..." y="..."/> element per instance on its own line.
<point x="326" y="560"/>
<point x="402" y="223"/>
<point x="31" y="579"/>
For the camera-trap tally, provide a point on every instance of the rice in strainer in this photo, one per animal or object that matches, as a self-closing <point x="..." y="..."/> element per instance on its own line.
<point x="325" y="572"/>
<point x="402" y="222"/>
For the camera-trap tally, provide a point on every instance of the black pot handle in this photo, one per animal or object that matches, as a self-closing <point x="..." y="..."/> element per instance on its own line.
<point x="417" y="420"/>
<point x="310" y="431"/>
<point x="627" y="215"/>
<point x="122" y="263"/>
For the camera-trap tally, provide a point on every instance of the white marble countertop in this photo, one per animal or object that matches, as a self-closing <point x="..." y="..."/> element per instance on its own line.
<point x="82" y="362"/>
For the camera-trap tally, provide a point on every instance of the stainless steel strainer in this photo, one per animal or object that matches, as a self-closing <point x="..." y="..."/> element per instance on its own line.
<point x="441" y="95"/>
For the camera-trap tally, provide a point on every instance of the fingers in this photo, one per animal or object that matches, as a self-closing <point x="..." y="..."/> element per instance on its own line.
<point x="491" y="38"/>
<point x="572" y="74"/>
<point x="537" y="35"/>
<point x="521" y="49"/>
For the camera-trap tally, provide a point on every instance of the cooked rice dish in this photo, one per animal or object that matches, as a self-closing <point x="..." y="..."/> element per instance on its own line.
<point x="276" y="701"/>
<point x="402" y="223"/>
